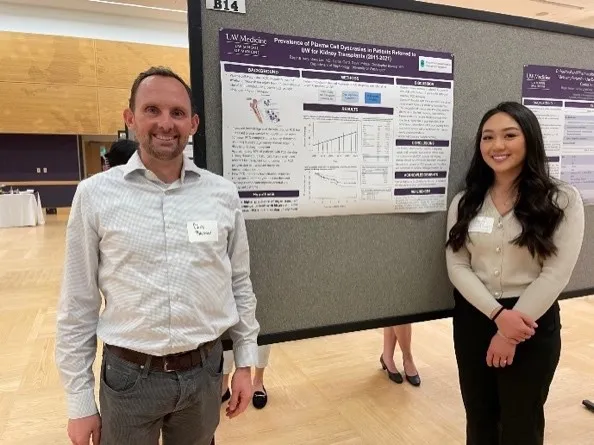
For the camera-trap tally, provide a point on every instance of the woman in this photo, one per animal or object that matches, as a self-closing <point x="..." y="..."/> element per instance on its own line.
<point x="403" y="335"/>
<point x="515" y="235"/>
<point x="260" y="397"/>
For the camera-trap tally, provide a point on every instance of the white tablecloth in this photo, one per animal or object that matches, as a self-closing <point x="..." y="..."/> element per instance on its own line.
<point x="20" y="210"/>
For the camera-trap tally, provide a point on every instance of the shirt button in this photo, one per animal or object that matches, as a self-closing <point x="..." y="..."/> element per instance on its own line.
<point x="500" y="224"/>
<point x="496" y="273"/>
<point x="498" y="249"/>
<point x="498" y="294"/>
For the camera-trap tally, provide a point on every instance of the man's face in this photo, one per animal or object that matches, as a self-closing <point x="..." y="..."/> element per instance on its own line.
<point x="162" y="118"/>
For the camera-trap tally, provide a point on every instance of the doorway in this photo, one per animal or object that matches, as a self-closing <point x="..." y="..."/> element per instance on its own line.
<point x="92" y="150"/>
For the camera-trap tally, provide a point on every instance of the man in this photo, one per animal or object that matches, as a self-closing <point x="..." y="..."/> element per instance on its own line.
<point x="165" y="243"/>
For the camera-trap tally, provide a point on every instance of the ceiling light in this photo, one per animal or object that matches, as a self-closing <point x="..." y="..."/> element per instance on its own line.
<point x="109" y="2"/>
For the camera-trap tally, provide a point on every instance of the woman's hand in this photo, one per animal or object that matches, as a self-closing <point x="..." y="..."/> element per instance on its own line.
<point x="515" y="326"/>
<point x="501" y="352"/>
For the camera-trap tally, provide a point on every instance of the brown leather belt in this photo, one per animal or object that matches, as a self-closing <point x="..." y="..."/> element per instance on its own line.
<point x="168" y="363"/>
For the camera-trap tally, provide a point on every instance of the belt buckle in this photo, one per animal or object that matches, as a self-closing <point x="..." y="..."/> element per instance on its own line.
<point x="166" y="367"/>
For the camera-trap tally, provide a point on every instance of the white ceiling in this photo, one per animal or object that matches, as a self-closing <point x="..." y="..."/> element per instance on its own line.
<point x="573" y="12"/>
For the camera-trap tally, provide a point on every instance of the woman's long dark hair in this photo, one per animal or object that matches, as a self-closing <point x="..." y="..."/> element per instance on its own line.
<point x="535" y="208"/>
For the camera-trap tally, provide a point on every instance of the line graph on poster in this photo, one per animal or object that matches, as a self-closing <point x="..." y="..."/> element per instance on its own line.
<point x="332" y="184"/>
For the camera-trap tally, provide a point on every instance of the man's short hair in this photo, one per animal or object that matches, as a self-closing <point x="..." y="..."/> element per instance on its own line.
<point x="120" y="152"/>
<point x="158" y="71"/>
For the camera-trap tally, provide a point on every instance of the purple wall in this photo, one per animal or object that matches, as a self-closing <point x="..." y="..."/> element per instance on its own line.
<point x="22" y="154"/>
<point x="55" y="195"/>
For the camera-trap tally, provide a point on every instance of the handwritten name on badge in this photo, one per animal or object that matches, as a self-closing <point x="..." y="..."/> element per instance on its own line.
<point x="481" y="224"/>
<point x="203" y="231"/>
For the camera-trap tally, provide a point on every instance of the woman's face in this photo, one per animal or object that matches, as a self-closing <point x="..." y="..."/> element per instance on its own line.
<point x="503" y="145"/>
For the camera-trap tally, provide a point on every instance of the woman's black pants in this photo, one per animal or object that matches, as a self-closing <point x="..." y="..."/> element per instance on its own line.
<point x="504" y="406"/>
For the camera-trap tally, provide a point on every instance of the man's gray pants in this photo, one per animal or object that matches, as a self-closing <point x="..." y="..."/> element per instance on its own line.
<point x="137" y="404"/>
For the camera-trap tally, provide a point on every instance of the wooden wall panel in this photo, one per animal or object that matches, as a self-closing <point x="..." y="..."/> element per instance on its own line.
<point x="118" y="63"/>
<point x="48" y="109"/>
<point x="112" y="103"/>
<point x="33" y="58"/>
<point x="67" y="85"/>
<point x="181" y="5"/>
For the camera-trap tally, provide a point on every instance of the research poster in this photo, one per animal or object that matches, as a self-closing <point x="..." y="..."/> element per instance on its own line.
<point x="563" y="101"/>
<point x="318" y="128"/>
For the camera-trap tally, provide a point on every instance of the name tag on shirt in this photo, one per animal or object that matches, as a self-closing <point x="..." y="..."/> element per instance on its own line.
<point x="203" y="231"/>
<point x="481" y="224"/>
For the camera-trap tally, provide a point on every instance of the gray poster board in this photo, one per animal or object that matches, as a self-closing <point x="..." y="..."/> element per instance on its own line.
<point x="325" y="275"/>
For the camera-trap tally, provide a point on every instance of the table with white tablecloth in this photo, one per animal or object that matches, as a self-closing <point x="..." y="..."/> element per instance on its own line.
<point x="21" y="210"/>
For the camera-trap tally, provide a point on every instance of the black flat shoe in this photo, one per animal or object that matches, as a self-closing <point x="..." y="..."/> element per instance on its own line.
<point x="226" y="396"/>
<point x="260" y="399"/>
<point x="394" y="376"/>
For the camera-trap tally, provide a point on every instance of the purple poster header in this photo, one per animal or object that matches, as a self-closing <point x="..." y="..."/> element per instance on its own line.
<point x="348" y="77"/>
<point x="240" y="46"/>
<point x="549" y="82"/>
<point x="420" y="175"/>
<point x="230" y="68"/>
<point x="423" y="83"/>
<point x="544" y="103"/>
<point x="347" y="109"/>
<point x="420" y="191"/>
<point x="579" y="105"/>
<point x="269" y="194"/>
<point x="421" y="143"/>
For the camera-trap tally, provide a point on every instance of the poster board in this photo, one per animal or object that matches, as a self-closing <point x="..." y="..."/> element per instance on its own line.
<point x="330" y="274"/>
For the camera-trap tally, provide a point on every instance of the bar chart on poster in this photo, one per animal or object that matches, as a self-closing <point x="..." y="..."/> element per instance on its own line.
<point x="563" y="100"/>
<point x="318" y="128"/>
<point x="324" y="137"/>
